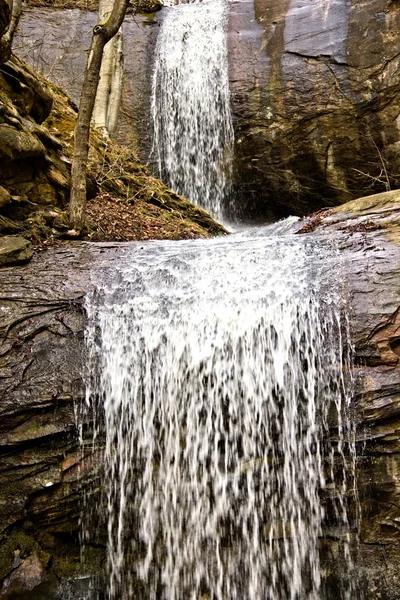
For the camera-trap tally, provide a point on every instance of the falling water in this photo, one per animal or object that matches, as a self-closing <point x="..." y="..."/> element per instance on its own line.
<point x="192" y="122"/>
<point x="216" y="367"/>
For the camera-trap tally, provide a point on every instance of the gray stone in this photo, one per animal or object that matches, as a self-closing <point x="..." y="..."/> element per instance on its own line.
<point x="5" y="197"/>
<point x="28" y="574"/>
<point x="315" y="96"/>
<point x="14" y="250"/>
<point x="15" y="145"/>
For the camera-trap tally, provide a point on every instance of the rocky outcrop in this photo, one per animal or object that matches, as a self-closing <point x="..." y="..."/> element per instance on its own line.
<point x="44" y="471"/>
<point x="34" y="173"/>
<point x="368" y="233"/>
<point x="40" y="379"/>
<point x="315" y="96"/>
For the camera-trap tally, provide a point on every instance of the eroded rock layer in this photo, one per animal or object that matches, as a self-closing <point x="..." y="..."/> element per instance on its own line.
<point x="42" y="470"/>
<point x="315" y="94"/>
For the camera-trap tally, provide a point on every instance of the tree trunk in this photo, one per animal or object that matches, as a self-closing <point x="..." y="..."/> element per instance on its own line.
<point x="115" y="97"/>
<point x="102" y="34"/>
<point x="106" y="108"/>
<point x="7" y="39"/>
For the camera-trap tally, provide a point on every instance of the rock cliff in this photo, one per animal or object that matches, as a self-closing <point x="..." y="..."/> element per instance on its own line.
<point x="315" y="94"/>
<point x="42" y="471"/>
<point x="37" y="121"/>
<point x="368" y="231"/>
<point x="55" y="43"/>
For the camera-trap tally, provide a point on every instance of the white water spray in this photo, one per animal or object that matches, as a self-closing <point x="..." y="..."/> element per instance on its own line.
<point x="215" y="366"/>
<point x="192" y="122"/>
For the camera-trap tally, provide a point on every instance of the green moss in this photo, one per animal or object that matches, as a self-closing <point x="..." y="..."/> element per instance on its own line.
<point x="70" y="566"/>
<point x="17" y="543"/>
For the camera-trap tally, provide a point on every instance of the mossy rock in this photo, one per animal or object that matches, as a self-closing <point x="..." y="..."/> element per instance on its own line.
<point x="385" y="201"/>
<point x="14" y="250"/>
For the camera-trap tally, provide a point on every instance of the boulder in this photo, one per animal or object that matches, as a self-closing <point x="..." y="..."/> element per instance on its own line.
<point x="15" y="145"/>
<point x="33" y="170"/>
<point x="27" y="575"/>
<point x="14" y="250"/>
<point x="30" y="96"/>
<point x="5" y="197"/>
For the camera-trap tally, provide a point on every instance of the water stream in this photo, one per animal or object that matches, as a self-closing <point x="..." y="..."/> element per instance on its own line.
<point x="192" y="122"/>
<point x="218" y="375"/>
<point x="216" y="367"/>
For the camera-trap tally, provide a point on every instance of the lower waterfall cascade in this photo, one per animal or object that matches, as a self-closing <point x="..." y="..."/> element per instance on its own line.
<point x="219" y="378"/>
<point x="191" y="114"/>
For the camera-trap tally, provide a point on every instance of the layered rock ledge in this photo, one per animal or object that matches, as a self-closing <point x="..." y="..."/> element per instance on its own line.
<point x="42" y="358"/>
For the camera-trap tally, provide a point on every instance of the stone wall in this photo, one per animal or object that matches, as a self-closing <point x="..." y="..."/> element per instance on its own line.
<point x="55" y="42"/>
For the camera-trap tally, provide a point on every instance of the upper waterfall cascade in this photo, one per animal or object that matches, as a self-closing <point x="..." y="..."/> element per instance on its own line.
<point x="215" y="369"/>
<point x="192" y="122"/>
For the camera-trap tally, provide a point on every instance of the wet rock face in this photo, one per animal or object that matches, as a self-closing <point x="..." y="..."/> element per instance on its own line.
<point x="369" y="241"/>
<point x="315" y="95"/>
<point x="42" y="355"/>
<point x="42" y="469"/>
<point x="55" y="43"/>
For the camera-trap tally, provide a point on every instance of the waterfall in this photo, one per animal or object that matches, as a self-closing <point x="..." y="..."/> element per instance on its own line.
<point x="192" y="122"/>
<point x="217" y="368"/>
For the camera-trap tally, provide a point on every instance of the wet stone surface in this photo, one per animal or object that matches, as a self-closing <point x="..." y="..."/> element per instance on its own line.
<point x="41" y="367"/>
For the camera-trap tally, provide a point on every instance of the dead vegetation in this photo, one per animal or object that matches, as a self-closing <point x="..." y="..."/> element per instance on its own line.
<point x="112" y="218"/>
<point x="362" y="227"/>
<point x="313" y="221"/>
<point x="317" y="219"/>
<point x="128" y="202"/>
